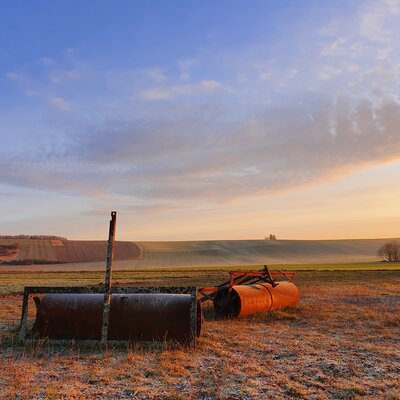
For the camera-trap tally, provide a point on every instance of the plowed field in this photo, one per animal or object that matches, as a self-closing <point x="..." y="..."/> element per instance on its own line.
<point x="42" y="251"/>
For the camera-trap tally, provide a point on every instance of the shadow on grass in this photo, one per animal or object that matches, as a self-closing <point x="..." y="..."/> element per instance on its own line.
<point x="37" y="347"/>
<point x="287" y="314"/>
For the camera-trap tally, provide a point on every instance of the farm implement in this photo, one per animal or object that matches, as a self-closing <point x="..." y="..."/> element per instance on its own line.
<point x="251" y="292"/>
<point x="106" y="313"/>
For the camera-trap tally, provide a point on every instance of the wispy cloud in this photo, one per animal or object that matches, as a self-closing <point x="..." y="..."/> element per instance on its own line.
<point x="168" y="92"/>
<point x="60" y="103"/>
<point x="258" y="120"/>
<point x="185" y="67"/>
<point x="147" y="209"/>
<point x="14" y="76"/>
<point x="336" y="48"/>
<point x="156" y="75"/>
<point x="47" y="61"/>
<point x="376" y="22"/>
<point x="166" y="160"/>
<point x="58" y="77"/>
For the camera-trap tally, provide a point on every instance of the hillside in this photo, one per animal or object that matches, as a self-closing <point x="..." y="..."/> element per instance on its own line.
<point x="47" y="251"/>
<point x="92" y="254"/>
<point x="252" y="252"/>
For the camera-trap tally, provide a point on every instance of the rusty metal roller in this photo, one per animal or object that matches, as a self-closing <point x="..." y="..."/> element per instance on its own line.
<point x="241" y="300"/>
<point x="132" y="317"/>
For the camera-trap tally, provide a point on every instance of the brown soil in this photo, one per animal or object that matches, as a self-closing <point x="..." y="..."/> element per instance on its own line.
<point x="8" y="252"/>
<point x="85" y="250"/>
<point x="42" y="251"/>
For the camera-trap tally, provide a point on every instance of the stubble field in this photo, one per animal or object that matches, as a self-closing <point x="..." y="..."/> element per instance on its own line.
<point x="341" y="342"/>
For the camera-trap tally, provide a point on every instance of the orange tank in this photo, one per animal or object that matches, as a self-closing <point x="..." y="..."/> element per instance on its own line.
<point x="241" y="300"/>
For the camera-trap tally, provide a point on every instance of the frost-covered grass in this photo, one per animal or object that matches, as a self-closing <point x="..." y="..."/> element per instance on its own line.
<point x="342" y="341"/>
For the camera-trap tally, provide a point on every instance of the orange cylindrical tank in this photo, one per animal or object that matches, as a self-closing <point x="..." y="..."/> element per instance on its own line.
<point x="241" y="300"/>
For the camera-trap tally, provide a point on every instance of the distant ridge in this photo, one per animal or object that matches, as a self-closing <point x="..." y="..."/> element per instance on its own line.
<point x="81" y="255"/>
<point x="258" y="252"/>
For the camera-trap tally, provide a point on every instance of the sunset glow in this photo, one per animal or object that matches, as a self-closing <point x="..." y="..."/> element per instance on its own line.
<point x="206" y="120"/>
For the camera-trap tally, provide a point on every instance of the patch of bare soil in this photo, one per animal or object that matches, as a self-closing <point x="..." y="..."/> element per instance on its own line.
<point x="8" y="252"/>
<point x="341" y="342"/>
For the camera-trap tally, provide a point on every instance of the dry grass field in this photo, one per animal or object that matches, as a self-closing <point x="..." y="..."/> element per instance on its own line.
<point x="341" y="342"/>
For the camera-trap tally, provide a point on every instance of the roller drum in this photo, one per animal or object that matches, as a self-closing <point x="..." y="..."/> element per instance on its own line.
<point x="145" y="317"/>
<point x="241" y="300"/>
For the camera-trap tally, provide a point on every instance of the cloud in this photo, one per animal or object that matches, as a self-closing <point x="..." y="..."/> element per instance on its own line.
<point x="156" y="94"/>
<point x="13" y="76"/>
<point x="190" y="160"/>
<point x="60" y="103"/>
<point x="327" y="72"/>
<point x="11" y="194"/>
<point x="209" y="85"/>
<point x="335" y="48"/>
<point x="320" y="112"/>
<point x="241" y="77"/>
<point x="185" y="67"/>
<point x="265" y="75"/>
<point x="58" y="77"/>
<point x="156" y="75"/>
<point x="47" y="61"/>
<point x="375" y="22"/>
<point x="353" y="67"/>
<point x="147" y="209"/>
<point x="383" y="54"/>
<point x="168" y="92"/>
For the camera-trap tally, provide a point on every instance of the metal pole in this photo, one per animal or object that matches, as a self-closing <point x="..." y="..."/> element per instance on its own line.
<point x="24" y="317"/>
<point x="107" y="280"/>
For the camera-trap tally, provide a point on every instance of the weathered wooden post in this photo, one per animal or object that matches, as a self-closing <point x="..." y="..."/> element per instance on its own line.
<point x="108" y="277"/>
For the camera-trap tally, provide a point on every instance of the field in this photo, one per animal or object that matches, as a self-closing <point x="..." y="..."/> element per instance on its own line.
<point x="245" y="252"/>
<point x="341" y="342"/>
<point x="90" y="255"/>
<point x="42" y="251"/>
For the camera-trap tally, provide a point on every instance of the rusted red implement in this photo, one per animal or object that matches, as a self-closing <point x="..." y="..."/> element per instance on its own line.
<point x="251" y="292"/>
<point x="241" y="300"/>
<point x="142" y="317"/>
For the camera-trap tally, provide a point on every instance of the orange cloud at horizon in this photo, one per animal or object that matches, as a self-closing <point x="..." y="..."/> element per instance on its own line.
<point x="361" y="205"/>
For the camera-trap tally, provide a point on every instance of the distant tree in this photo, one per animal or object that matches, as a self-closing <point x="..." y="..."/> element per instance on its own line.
<point x="272" y="237"/>
<point x="389" y="251"/>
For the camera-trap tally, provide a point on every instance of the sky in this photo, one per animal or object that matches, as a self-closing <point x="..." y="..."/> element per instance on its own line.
<point x="200" y="120"/>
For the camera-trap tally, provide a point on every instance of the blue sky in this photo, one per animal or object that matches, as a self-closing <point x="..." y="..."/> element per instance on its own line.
<point x="170" y="110"/>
